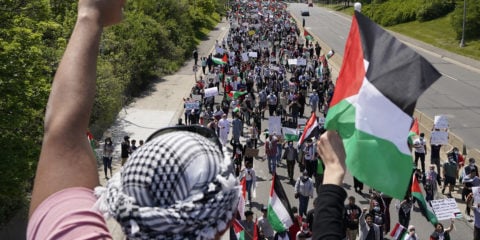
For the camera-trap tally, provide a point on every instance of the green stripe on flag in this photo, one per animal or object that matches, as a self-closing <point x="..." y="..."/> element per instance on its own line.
<point x="372" y="168"/>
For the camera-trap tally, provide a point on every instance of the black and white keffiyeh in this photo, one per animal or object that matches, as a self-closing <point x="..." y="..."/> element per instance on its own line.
<point x="177" y="186"/>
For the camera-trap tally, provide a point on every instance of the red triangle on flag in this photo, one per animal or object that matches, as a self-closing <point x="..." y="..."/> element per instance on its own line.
<point x="237" y="226"/>
<point x="305" y="33"/>
<point x="225" y="58"/>
<point x="415" y="128"/>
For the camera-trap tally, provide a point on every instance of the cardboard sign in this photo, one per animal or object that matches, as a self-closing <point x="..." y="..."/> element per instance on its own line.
<point x="275" y="125"/>
<point x="440" y="122"/>
<point x="446" y="208"/>
<point x="210" y="92"/>
<point x="250" y="152"/>
<point x="439" y="137"/>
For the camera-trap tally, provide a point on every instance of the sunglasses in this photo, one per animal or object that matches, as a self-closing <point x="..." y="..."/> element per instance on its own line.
<point x="203" y="131"/>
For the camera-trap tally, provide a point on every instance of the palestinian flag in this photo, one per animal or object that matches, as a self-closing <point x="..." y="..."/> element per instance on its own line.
<point x="290" y="134"/>
<point x="225" y="58"/>
<point x="414" y="131"/>
<point x="278" y="212"/>
<point x="218" y="61"/>
<point x="311" y="129"/>
<point x="307" y="35"/>
<point x="374" y="99"/>
<point x="243" y="198"/>
<point x="417" y="194"/>
<point x="238" y="229"/>
<point x="398" y="232"/>
<point x="330" y="54"/>
<point x="236" y="94"/>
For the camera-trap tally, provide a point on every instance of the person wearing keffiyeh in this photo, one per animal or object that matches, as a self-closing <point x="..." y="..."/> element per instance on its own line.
<point x="178" y="185"/>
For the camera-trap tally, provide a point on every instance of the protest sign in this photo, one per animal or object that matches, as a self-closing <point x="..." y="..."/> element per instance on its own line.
<point x="253" y="54"/>
<point x="292" y="61"/>
<point x="250" y="152"/>
<point x="192" y="105"/>
<point x="244" y="57"/>
<point x="302" y="62"/>
<point x="219" y="50"/>
<point x="440" y="122"/>
<point x="210" y="92"/>
<point x="274" y="125"/>
<point x="439" y="137"/>
<point x="476" y="195"/>
<point x="446" y="208"/>
<point x="196" y="97"/>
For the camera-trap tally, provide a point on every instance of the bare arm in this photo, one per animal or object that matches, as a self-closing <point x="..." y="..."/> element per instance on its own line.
<point x="66" y="158"/>
<point x="330" y="147"/>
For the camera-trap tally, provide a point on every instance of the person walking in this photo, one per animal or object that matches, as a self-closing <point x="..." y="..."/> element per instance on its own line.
<point x="107" y="156"/>
<point x="309" y="160"/>
<point x="352" y="216"/>
<point x="440" y="233"/>
<point x="291" y="156"/>
<point x="251" y="180"/>
<point x="271" y="152"/>
<point x="264" y="225"/>
<point x="303" y="192"/>
<point x="420" y="151"/>
<point x="223" y="129"/>
<point x="125" y="149"/>
<point x="237" y="128"/>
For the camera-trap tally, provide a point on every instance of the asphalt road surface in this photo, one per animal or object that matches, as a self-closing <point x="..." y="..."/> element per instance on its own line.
<point x="455" y="94"/>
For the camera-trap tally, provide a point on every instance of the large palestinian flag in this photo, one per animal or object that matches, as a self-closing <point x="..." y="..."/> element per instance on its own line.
<point x="279" y="212"/>
<point x="373" y="103"/>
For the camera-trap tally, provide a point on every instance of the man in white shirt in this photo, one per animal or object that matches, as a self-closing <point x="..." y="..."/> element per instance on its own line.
<point x="420" y="146"/>
<point x="223" y="129"/>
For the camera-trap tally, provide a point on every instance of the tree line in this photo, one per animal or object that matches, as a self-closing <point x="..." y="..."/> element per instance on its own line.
<point x="155" y="38"/>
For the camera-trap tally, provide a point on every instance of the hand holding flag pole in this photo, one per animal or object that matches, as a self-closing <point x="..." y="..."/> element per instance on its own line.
<point x="373" y="103"/>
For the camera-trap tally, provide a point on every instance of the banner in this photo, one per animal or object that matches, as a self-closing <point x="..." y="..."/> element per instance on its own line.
<point x="196" y="97"/>
<point x="292" y="61"/>
<point x="446" y="208"/>
<point x="211" y="92"/>
<point x="440" y="122"/>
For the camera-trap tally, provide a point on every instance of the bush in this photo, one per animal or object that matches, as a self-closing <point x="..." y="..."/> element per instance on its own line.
<point x="392" y="12"/>
<point x="434" y="9"/>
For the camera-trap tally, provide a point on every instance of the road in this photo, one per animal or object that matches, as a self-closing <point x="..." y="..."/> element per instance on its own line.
<point x="455" y="94"/>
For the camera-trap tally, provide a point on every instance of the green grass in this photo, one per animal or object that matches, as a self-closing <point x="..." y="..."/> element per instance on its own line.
<point x="438" y="33"/>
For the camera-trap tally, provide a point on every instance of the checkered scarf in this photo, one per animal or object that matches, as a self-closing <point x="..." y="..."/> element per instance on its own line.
<point x="177" y="186"/>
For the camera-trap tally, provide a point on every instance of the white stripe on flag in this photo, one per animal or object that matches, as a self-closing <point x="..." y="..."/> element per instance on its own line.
<point x="378" y="116"/>
<point x="280" y="210"/>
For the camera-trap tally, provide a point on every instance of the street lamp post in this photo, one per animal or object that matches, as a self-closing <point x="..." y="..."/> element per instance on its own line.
<point x="462" y="42"/>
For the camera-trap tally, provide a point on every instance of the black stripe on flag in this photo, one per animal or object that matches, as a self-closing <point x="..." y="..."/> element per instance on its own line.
<point x="282" y="196"/>
<point x="396" y="70"/>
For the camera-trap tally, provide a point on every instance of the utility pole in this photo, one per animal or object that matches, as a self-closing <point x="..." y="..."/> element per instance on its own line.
<point x="462" y="42"/>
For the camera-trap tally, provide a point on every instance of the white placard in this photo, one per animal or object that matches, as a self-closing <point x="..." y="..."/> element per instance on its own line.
<point x="439" y="137"/>
<point x="275" y="68"/>
<point x="446" y="208"/>
<point x="292" y="61"/>
<point x="476" y="195"/>
<point x="192" y="105"/>
<point x="440" y="122"/>
<point x="301" y="121"/>
<point x="302" y="62"/>
<point x="274" y="125"/>
<point x="196" y="97"/>
<point x="244" y="57"/>
<point x="210" y="92"/>
<point x="253" y="54"/>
